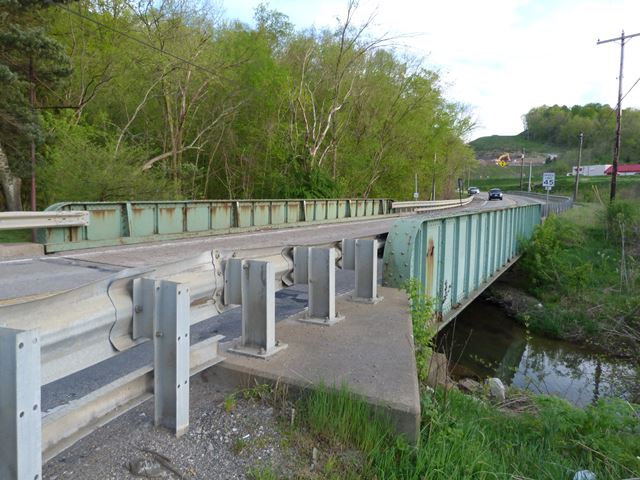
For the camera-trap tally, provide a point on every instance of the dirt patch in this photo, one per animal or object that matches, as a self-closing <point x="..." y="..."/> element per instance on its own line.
<point x="224" y="441"/>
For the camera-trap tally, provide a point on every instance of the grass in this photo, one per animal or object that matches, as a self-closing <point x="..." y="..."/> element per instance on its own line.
<point x="464" y="437"/>
<point x="15" y="236"/>
<point x="590" y="289"/>
<point x="508" y="179"/>
<point x="511" y="143"/>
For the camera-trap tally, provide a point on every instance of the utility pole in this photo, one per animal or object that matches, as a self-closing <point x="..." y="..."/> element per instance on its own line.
<point x="616" y="148"/>
<point x="32" y="98"/>
<point x="521" y="169"/>
<point x="529" y="185"/>
<point x="575" y="192"/>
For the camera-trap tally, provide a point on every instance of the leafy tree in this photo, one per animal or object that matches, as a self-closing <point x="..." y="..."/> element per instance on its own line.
<point x="30" y="61"/>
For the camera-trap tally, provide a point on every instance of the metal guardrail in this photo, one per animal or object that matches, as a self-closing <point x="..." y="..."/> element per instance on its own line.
<point x="116" y="223"/>
<point x="25" y="220"/>
<point x="456" y="257"/>
<point x="550" y="203"/>
<point x="427" y="205"/>
<point x="44" y="340"/>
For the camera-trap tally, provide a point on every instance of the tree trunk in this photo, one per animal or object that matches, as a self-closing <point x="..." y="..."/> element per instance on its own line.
<point x="10" y="184"/>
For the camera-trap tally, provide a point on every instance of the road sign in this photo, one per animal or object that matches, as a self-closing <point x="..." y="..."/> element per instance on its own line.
<point x="548" y="180"/>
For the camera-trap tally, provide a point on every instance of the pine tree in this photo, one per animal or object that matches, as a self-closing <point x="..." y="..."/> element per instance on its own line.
<point x="28" y="59"/>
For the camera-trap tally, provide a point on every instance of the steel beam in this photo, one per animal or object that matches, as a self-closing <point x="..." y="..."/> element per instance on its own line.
<point x="20" y="420"/>
<point x="456" y="257"/>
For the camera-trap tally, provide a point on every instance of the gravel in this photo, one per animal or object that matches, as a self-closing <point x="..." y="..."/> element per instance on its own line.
<point x="221" y="443"/>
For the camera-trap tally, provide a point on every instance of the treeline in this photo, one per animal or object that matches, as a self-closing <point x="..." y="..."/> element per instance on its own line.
<point x="561" y="125"/>
<point x="142" y="100"/>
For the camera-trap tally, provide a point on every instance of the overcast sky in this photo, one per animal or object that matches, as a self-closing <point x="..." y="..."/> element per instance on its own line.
<point x="499" y="57"/>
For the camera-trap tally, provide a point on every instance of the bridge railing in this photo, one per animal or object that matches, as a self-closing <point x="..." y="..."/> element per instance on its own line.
<point x="429" y="205"/>
<point x="550" y="203"/>
<point x="457" y="256"/>
<point x="117" y="223"/>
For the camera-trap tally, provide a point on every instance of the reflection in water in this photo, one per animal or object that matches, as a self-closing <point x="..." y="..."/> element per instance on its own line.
<point x="483" y="342"/>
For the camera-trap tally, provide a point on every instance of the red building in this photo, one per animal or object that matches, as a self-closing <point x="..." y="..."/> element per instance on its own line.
<point x="625" y="169"/>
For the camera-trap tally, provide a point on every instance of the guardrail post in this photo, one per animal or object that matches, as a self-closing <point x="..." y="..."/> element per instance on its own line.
<point x="322" y="287"/>
<point x="171" y="346"/>
<point x="233" y="282"/>
<point x="348" y="254"/>
<point x="258" y="310"/>
<point x="366" y="267"/>
<point x="300" y="265"/>
<point x="144" y="307"/>
<point x="20" y="418"/>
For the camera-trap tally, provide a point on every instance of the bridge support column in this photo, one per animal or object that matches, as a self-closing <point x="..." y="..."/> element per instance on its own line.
<point x="257" y="296"/>
<point x="20" y="418"/>
<point x="366" y="267"/>
<point x="171" y="347"/>
<point x="320" y="275"/>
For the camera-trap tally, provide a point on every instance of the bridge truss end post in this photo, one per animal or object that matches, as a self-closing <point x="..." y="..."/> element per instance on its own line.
<point x="171" y="350"/>
<point x="20" y="417"/>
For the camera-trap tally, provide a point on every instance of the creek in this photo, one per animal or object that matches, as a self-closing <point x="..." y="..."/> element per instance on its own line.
<point x="484" y="342"/>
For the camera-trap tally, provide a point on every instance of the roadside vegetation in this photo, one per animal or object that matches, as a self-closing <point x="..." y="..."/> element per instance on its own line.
<point x="466" y="437"/>
<point x="591" y="188"/>
<point x="462" y="436"/>
<point x="584" y="267"/>
<point x="171" y="99"/>
<point x="13" y="236"/>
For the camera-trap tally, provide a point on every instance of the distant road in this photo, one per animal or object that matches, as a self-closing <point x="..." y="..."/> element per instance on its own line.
<point x="34" y="277"/>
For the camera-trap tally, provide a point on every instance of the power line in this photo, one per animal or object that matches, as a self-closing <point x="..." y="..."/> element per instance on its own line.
<point x="629" y="91"/>
<point x="137" y="40"/>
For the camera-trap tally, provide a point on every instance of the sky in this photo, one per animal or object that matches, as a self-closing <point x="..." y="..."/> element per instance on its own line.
<point x="500" y="58"/>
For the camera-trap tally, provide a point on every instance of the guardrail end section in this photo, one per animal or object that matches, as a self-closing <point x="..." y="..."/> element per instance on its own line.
<point x="20" y="417"/>
<point x="171" y="347"/>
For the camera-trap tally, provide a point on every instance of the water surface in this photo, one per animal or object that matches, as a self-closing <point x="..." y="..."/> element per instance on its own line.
<point x="484" y="342"/>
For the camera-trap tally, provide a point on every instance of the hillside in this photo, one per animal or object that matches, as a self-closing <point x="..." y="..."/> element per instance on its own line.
<point x="491" y="147"/>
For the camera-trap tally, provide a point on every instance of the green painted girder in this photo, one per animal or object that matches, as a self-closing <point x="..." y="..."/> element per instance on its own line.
<point x="121" y="223"/>
<point x="454" y="256"/>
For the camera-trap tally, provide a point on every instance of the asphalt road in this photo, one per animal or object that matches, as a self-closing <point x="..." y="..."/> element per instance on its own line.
<point x="29" y="278"/>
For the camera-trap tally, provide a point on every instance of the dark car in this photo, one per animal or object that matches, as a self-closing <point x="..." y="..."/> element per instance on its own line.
<point x="473" y="190"/>
<point x="495" y="194"/>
